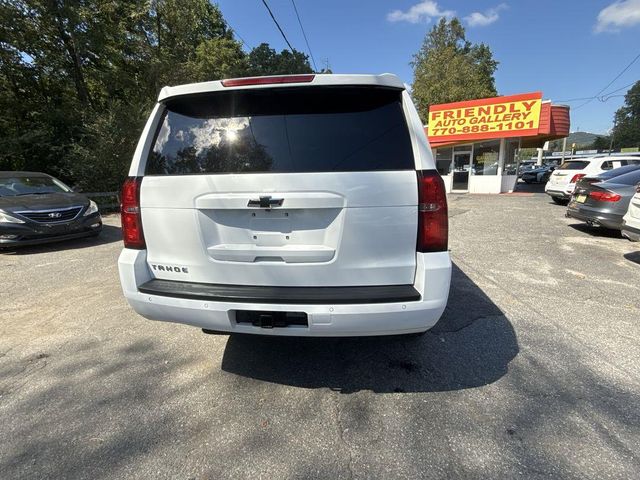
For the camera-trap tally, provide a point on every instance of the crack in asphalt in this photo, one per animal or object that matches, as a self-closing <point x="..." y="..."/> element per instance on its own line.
<point x="475" y="319"/>
<point x="551" y="321"/>
<point x="341" y="432"/>
<point x="32" y="365"/>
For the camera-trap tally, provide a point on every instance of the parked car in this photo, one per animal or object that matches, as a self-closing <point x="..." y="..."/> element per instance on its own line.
<point x="301" y="205"/>
<point x="604" y="204"/>
<point x="631" y="220"/>
<point x="608" y="174"/>
<point x="562" y="181"/>
<point x="38" y="208"/>
<point x="526" y="166"/>
<point x="538" y="175"/>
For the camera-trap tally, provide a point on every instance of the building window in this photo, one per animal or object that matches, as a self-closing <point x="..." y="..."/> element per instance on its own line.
<point x="443" y="160"/>
<point x="511" y="158"/>
<point x="485" y="158"/>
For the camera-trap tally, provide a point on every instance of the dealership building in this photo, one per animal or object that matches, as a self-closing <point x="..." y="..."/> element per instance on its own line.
<point x="475" y="143"/>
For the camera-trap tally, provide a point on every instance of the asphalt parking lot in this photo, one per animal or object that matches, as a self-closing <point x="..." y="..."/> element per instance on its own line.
<point x="534" y="371"/>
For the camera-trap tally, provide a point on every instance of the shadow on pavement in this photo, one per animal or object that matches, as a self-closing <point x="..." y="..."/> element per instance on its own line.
<point x="109" y="234"/>
<point x="596" y="231"/>
<point x="633" y="257"/>
<point x="71" y="406"/>
<point x="471" y="346"/>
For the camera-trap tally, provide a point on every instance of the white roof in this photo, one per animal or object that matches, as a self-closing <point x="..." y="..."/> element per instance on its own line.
<point x="383" y="80"/>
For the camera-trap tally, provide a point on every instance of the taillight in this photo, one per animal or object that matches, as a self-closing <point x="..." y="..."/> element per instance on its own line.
<point x="240" y="82"/>
<point x="130" y="214"/>
<point x="604" y="196"/>
<point x="433" y="221"/>
<point x="577" y="177"/>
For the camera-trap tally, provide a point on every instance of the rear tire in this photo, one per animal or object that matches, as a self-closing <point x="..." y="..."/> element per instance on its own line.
<point x="560" y="201"/>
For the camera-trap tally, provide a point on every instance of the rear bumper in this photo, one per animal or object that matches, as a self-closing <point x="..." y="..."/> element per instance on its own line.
<point x="631" y="233"/>
<point x="606" y="220"/>
<point x="408" y="313"/>
<point x="292" y="295"/>
<point x="560" y="191"/>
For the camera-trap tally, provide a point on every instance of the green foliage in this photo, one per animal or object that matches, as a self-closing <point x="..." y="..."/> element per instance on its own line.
<point x="448" y="68"/>
<point x="264" y="60"/>
<point x="217" y="58"/>
<point x="626" y="131"/>
<point x="527" y="153"/>
<point x="79" y="77"/>
<point x="100" y="160"/>
<point x="600" y="143"/>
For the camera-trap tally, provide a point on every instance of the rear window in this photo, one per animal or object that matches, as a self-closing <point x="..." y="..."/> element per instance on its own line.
<point x="573" y="165"/>
<point x="322" y="129"/>
<point x="627" y="179"/>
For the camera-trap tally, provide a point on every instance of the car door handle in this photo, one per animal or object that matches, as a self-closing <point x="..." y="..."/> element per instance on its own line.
<point x="266" y="202"/>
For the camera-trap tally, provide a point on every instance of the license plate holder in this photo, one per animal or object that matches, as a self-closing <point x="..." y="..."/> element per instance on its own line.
<point x="267" y="319"/>
<point x="581" y="198"/>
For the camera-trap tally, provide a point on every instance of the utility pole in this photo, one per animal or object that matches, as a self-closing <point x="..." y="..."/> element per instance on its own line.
<point x="564" y="148"/>
<point x="613" y="130"/>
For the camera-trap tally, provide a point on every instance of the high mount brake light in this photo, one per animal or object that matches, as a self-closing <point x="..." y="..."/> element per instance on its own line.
<point x="577" y="177"/>
<point x="433" y="221"/>
<point x="605" y="196"/>
<point x="130" y="214"/>
<point x="241" y="82"/>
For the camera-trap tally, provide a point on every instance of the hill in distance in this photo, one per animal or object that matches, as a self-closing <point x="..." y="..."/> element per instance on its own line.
<point x="581" y="138"/>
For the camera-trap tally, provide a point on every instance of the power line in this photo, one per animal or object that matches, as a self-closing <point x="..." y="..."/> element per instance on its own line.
<point x="235" y="32"/>
<point x="629" y="95"/>
<point x="602" y="98"/>
<point x="609" y="95"/>
<point x="304" y="35"/>
<point x="610" y="83"/>
<point x="579" y="99"/>
<point x="618" y="89"/>
<point x="277" y="25"/>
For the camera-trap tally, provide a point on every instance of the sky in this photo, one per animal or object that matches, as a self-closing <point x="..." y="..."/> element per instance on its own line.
<point x="567" y="49"/>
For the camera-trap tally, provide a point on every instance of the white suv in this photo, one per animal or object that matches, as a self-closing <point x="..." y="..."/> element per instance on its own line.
<point x="631" y="221"/>
<point x="562" y="181"/>
<point x="296" y="205"/>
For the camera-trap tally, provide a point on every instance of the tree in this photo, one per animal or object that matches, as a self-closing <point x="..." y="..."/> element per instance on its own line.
<point x="264" y="60"/>
<point x="78" y="78"/>
<point x="217" y="58"/>
<point x="626" y="130"/>
<point x="601" y="142"/>
<point x="449" y="68"/>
